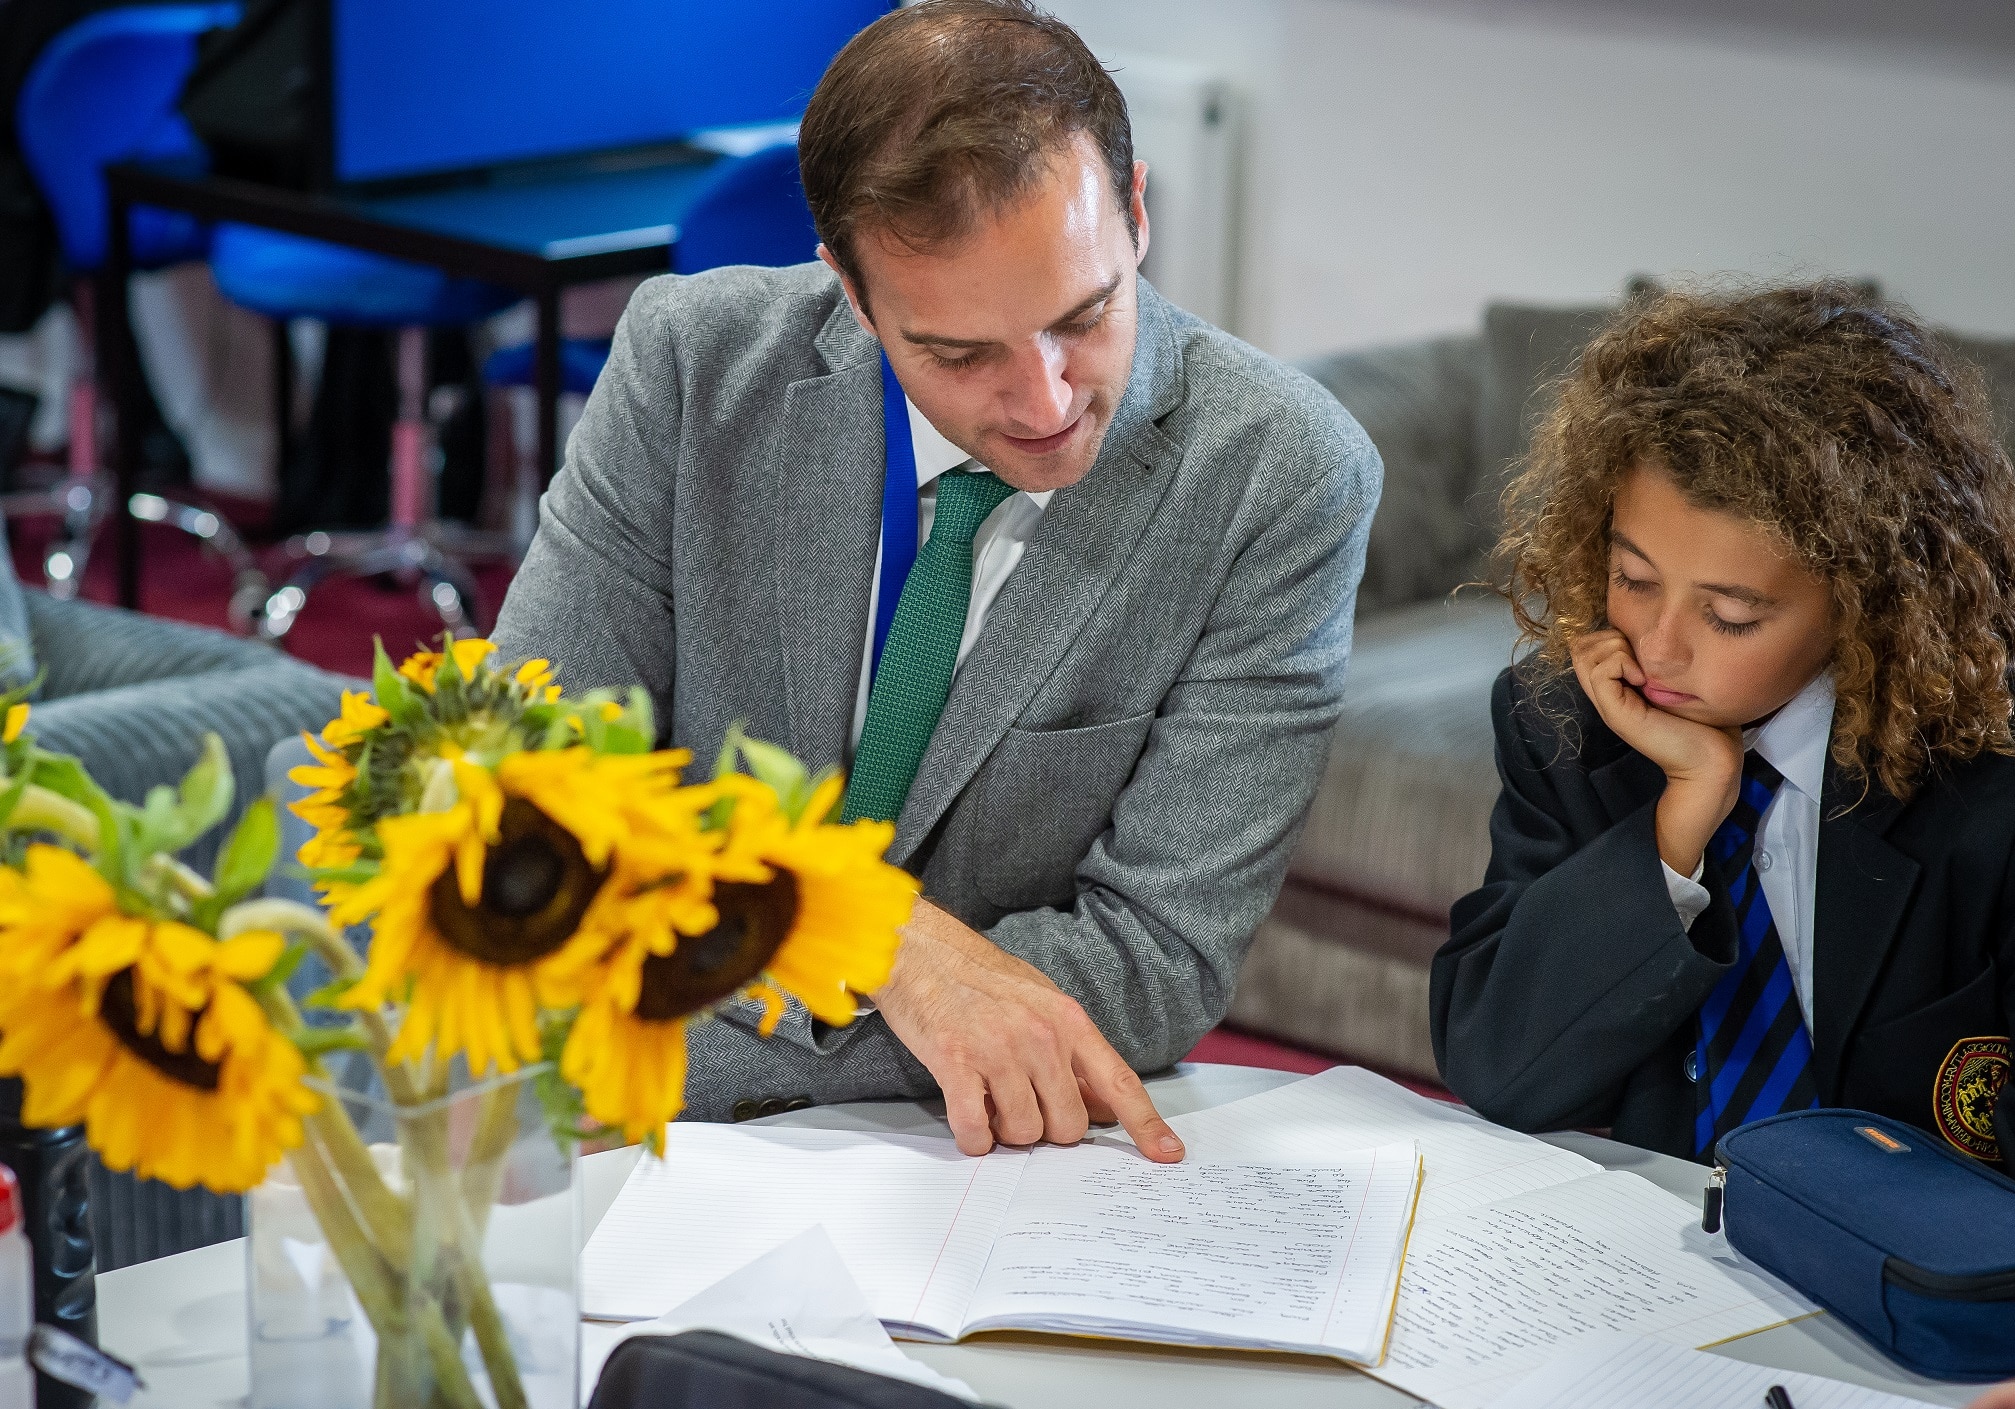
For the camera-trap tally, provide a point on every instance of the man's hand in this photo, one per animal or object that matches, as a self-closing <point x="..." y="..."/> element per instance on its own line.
<point x="1702" y="764"/>
<point x="1015" y="1055"/>
<point x="1999" y="1397"/>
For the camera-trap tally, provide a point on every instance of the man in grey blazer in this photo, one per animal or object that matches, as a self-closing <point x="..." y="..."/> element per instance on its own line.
<point x="1098" y="758"/>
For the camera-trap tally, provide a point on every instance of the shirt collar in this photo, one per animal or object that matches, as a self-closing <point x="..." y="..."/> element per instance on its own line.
<point x="1794" y="740"/>
<point x="935" y="455"/>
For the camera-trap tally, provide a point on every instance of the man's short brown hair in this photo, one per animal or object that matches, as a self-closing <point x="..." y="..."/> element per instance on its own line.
<point x="935" y="115"/>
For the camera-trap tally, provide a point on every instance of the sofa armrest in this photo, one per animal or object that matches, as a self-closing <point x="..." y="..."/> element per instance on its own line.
<point x="133" y="737"/>
<point x="84" y="647"/>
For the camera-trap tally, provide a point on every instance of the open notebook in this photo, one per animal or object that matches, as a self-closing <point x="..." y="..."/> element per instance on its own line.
<point x="1519" y="1247"/>
<point x="1080" y="1240"/>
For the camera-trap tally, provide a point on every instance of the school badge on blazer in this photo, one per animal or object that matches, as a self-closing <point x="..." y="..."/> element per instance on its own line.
<point x="1970" y="1080"/>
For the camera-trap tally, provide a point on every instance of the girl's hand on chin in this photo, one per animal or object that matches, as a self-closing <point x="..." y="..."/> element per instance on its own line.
<point x="1702" y="764"/>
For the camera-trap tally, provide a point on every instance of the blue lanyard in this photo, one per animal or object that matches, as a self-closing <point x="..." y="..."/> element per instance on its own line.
<point x="899" y="507"/>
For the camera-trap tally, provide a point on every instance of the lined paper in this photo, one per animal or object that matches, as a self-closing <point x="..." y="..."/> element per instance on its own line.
<point x="1606" y="1371"/>
<point x="1488" y="1295"/>
<point x="1470" y="1162"/>
<point x="913" y="1219"/>
<point x="1099" y="1241"/>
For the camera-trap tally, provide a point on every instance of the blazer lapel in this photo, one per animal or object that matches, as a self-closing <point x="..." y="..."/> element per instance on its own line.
<point x="827" y="486"/>
<point x="1085" y="537"/>
<point x="1864" y="885"/>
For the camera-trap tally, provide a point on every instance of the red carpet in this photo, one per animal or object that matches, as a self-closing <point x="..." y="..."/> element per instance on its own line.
<point x="335" y="631"/>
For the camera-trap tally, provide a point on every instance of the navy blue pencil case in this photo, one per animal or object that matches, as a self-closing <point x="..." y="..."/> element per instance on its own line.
<point x="1909" y="1242"/>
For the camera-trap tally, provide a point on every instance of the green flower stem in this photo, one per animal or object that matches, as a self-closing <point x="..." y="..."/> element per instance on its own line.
<point x="183" y="881"/>
<point x="436" y="1191"/>
<point x="483" y="1171"/>
<point x="40" y="810"/>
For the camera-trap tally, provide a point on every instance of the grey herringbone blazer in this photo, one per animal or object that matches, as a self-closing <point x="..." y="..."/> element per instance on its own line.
<point x="1127" y="753"/>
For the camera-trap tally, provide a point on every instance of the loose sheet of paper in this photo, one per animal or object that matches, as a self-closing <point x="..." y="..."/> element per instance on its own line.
<point x="797" y="1298"/>
<point x="1602" y="1372"/>
<point x="1488" y="1295"/>
<point x="1469" y="1161"/>
<point x="913" y="1219"/>
<point x="1099" y="1241"/>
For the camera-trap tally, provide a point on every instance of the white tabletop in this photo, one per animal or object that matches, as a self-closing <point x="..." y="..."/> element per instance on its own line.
<point x="181" y="1320"/>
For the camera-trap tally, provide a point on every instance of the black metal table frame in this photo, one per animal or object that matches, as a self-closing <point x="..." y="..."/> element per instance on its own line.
<point x="539" y="276"/>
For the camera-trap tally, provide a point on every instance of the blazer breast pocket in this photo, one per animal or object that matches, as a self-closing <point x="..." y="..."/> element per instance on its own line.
<point x="1896" y="1064"/>
<point x="1043" y="797"/>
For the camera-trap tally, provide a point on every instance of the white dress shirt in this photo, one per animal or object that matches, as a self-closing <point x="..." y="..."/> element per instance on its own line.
<point x="997" y="547"/>
<point x="1794" y="741"/>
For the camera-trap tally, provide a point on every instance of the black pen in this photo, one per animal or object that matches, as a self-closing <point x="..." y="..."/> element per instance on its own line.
<point x="1777" y="1398"/>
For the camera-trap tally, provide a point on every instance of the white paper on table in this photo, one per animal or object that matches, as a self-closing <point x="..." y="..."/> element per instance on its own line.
<point x="1602" y="1371"/>
<point x="1469" y="1161"/>
<point x="797" y="1298"/>
<point x="1488" y="1295"/>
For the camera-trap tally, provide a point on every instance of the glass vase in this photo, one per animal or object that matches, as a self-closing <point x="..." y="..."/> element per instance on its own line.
<point x="418" y="1255"/>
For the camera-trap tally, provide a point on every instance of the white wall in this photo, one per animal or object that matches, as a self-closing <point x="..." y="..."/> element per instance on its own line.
<point x="1408" y="160"/>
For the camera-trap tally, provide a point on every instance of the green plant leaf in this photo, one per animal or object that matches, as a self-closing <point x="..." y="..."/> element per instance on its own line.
<point x="390" y="690"/>
<point x="118" y="822"/>
<point x="329" y="994"/>
<point x="11" y="799"/>
<point x="779" y="768"/>
<point x="172" y="818"/>
<point x="283" y="968"/>
<point x="249" y="852"/>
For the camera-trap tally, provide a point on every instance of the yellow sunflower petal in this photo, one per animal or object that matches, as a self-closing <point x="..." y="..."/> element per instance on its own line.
<point x="17" y="720"/>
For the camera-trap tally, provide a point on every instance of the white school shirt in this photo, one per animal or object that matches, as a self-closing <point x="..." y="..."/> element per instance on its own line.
<point x="1794" y="741"/>
<point x="997" y="547"/>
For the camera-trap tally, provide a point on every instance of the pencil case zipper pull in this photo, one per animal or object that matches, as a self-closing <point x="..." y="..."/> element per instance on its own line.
<point x="1710" y="1199"/>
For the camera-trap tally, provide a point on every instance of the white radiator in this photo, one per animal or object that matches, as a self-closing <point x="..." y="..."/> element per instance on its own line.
<point x="1185" y="119"/>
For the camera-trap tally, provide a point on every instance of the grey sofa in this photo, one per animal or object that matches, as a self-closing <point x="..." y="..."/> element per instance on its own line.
<point x="1399" y="828"/>
<point x="132" y="696"/>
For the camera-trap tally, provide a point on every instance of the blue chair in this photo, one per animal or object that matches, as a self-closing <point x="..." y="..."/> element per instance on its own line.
<point x="104" y="90"/>
<point x="751" y="211"/>
<point x="287" y="277"/>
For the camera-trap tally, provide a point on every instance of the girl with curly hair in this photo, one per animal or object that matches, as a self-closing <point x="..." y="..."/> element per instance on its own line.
<point x="1755" y="848"/>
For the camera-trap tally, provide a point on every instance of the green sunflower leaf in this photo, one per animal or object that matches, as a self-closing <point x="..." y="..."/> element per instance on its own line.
<point x="117" y="822"/>
<point x="248" y="853"/>
<point x="780" y="769"/>
<point x="329" y="994"/>
<point x="172" y="818"/>
<point x="390" y="689"/>
<point x="283" y="968"/>
<point x="11" y="799"/>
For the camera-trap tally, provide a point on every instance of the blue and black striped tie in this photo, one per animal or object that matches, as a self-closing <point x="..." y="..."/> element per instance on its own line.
<point x="1754" y="1056"/>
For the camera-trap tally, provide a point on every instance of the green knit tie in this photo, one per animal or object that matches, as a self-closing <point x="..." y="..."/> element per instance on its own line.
<point x="922" y="650"/>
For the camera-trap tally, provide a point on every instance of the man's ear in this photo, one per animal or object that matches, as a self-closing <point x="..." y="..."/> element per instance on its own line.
<point x="1139" y="198"/>
<point x="854" y="299"/>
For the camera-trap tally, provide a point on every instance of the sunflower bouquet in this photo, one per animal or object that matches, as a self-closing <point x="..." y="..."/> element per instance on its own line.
<point x="549" y="905"/>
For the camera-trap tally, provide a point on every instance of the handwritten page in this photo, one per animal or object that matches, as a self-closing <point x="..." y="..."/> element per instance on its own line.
<point x="1602" y="1372"/>
<point x="913" y="1219"/>
<point x="1488" y="1295"/>
<point x="1099" y="1241"/>
<point x="1469" y="1161"/>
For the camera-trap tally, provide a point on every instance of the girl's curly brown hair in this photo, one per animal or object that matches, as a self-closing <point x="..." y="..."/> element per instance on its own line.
<point x="1838" y="424"/>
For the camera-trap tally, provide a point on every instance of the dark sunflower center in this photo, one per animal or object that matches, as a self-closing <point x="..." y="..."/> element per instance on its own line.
<point x="755" y="919"/>
<point x="536" y="886"/>
<point x="119" y="1011"/>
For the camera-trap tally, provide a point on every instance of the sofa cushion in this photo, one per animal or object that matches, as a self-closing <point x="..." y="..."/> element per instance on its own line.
<point x="1402" y="816"/>
<point x="1524" y="349"/>
<point x="17" y="642"/>
<point x="1342" y="977"/>
<point x="1417" y="402"/>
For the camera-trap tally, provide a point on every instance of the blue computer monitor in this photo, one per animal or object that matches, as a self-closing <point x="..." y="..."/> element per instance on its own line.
<point x="420" y="87"/>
